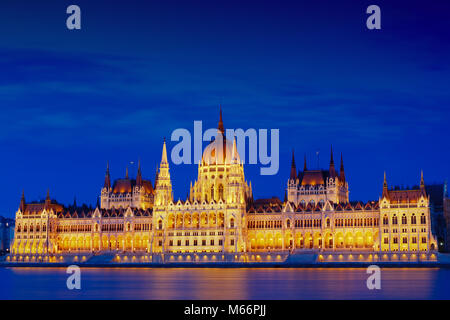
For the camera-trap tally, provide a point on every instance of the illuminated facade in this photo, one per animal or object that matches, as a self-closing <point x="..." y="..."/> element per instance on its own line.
<point x="220" y="216"/>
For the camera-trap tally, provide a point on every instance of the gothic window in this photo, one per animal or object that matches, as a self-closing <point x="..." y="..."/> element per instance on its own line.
<point x="212" y="193"/>
<point x="221" y="192"/>
<point x="288" y="223"/>
<point x="303" y="203"/>
<point x="394" y="219"/>
<point x="385" y="220"/>
<point x="404" y="221"/>
<point x="231" y="223"/>
<point x="413" y="219"/>
<point x="423" y="219"/>
<point x="159" y="224"/>
<point x="312" y="203"/>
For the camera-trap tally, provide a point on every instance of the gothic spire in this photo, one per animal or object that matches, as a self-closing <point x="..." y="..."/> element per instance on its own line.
<point x="305" y="167"/>
<point x="341" y="171"/>
<point x="422" y="183"/>
<point x="164" y="153"/>
<point x="332" y="169"/>
<point x="385" y="187"/>
<point x="107" y="184"/>
<point x="139" y="174"/>
<point x="293" y="168"/>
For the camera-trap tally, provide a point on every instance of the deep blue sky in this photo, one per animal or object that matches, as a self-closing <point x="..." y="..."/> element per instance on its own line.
<point x="73" y="100"/>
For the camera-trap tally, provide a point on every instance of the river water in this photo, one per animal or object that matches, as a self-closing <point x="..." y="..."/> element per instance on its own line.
<point x="224" y="283"/>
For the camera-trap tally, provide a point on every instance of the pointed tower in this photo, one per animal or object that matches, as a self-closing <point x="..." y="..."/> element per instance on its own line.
<point x="341" y="171"/>
<point x="139" y="175"/>
<point x="107" y="183"/>
<point x="332" y="169"/>
<point x="293" y="168"/>
<point x="22" y="202"/>
<point x="164" y="184"/>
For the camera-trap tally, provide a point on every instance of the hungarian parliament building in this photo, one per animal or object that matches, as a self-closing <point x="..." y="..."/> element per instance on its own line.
<point x="138" y="218"/>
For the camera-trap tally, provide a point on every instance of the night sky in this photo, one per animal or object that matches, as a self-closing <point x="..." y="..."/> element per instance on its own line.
<point x="137" y="70"/>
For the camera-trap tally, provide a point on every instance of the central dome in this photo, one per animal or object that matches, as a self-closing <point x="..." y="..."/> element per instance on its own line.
<point x="219" y="152"/>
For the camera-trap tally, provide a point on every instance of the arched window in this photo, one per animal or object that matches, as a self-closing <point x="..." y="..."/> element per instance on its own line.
<point x="31" y="228"/>
<point x="212" y="193"/>
<point x="288" y="223"/>
<point x="128" y="226"/>
<point x="423" y="219"/>
<point x="160" y="224"/>
<point x="37" y="228"/>
<point x="404" y="221"/>
<point x="18" y="228"/>
<point x="221" y="192"/>
<point x="328" y="222"/>
<point x="394" y="219"/>
<point x="231" y="223"/>
<point x="312" y="202"/>
<point x="413" y="219"/>
<point x="303" y="203"/>
<point x="385" y="220"/>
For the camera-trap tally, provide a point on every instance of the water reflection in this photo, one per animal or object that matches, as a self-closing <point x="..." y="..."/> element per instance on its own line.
<point x="227" y="283"/>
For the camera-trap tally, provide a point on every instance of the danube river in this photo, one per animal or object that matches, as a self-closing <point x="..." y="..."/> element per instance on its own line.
<point x="224" y="283"/>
